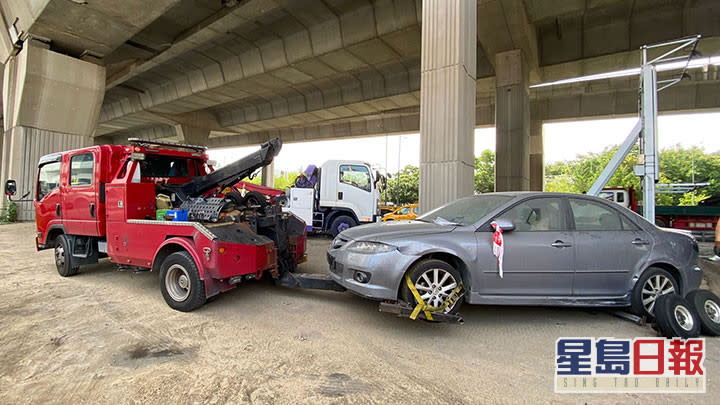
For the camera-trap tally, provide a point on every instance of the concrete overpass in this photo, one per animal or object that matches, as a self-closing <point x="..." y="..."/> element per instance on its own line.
<point x="230" y="73"/>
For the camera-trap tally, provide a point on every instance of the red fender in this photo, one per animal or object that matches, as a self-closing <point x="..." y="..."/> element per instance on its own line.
<point x="212" y="286"/>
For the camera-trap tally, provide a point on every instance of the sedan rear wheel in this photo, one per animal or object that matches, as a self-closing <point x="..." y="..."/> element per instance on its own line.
<point x="435" y="281"/>
<point x="653" y="283"/>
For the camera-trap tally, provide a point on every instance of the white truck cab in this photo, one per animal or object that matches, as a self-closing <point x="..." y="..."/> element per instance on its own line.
<point x="345" y="194"/>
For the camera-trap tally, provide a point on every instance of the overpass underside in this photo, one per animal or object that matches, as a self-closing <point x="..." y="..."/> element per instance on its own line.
<point x="231" y="73"/>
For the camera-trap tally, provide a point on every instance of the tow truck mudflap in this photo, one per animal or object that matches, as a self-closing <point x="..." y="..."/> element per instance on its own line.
<point x="310" y="281"/>
<point x="403" y="310"/>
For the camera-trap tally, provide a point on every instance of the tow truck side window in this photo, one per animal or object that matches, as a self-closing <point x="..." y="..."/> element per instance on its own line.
<point x="81" y="170"/>
<point x="356" y="176"/>
<point x="48" y="179"/>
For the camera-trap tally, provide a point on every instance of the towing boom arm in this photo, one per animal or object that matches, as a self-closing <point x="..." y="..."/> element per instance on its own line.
<point x="231" y="173"/>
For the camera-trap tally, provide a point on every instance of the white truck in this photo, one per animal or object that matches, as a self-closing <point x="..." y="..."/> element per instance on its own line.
<point x="345" y="194"/>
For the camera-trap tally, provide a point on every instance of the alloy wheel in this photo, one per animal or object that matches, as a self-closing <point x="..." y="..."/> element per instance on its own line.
<point x="435" y="287"/>
<point x="654" y="287"/>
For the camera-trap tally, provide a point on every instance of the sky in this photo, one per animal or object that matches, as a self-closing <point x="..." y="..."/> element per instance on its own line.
<point x="562" y="141"/>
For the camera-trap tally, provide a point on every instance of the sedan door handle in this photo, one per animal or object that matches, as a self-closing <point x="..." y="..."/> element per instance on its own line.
<point x="560" y="244"/>
<point x="639" y="241"/>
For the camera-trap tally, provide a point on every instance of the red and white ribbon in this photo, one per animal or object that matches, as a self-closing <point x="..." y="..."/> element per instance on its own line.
<point x="498" y="247"/>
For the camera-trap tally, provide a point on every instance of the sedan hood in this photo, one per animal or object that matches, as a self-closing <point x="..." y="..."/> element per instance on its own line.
<point x="394" y="230"/>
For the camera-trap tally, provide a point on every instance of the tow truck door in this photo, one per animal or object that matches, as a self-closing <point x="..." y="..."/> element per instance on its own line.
<point x="79" y="206"/>
<point x="355" y="190"/>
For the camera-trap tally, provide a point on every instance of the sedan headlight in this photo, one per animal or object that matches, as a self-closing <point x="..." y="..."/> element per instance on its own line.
<point x="370" y="247"/>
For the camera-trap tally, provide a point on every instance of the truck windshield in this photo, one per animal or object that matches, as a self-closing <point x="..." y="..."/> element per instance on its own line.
<point x="465" y="211"/>
<point x="164" y="166"/>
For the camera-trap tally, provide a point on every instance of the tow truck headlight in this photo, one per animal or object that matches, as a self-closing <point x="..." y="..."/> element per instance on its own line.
<point x="370" y="247"/>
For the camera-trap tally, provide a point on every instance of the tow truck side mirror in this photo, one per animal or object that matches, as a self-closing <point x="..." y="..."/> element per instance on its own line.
<point x="10" y="188"/>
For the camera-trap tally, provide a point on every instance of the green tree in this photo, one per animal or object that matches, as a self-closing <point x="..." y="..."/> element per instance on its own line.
<point x="678" y="164"/>
<point x="485" y="172"/>
<point x="403" y="187"/>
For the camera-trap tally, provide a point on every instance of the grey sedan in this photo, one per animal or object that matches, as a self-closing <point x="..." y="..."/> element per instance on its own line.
<point x="559" y="249"/>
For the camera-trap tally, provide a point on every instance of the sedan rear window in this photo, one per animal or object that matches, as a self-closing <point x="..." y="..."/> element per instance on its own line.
<point x="465" y="211"/>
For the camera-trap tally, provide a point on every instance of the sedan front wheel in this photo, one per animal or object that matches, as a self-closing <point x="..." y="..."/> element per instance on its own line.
<point x="435" y="282"/>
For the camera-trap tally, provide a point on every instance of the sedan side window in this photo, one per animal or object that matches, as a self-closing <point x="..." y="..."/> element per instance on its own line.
<point x="537" y="215"/>
<point x="591" y="216"/>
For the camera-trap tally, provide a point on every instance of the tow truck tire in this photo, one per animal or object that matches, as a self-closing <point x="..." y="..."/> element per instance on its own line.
<point x="255" y="198"/>
<point x="428" y="268"/>
<point x="180" y="282"/>
<point x="236" y="198"/>
<point x="340" y="224"/>
<point x="676" y="317"/>
<point x="707" y="307"/>
<point x="645" y="287"/>
<point x="63" y="257"/>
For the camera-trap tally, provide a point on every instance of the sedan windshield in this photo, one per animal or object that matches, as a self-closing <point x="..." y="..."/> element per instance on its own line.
<point x="465" y="211"/>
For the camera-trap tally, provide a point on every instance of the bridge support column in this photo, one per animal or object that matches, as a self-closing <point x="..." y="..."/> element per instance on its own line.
<point x="447" y="101"/>
<point x="268" y="175"/>
<point x="537" y="165"/>
<point x="512" y="122"/>
<point x="51" y="103"/>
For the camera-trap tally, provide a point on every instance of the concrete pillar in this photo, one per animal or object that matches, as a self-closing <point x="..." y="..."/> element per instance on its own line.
<point x="192" y="135"/>
<point x="268" y="175"/>
<point x="51" y="103"/>
<point x="512" y="122"/>
<point x="537" y="165"/>
<point x="447" y="101"/>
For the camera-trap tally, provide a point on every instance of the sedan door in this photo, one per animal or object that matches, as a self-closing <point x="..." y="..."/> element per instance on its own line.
<point x="538" y="253"/>
<point x="608" y="248"/>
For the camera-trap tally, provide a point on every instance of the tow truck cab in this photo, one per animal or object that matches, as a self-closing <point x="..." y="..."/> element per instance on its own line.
<point x="103" y="201"/>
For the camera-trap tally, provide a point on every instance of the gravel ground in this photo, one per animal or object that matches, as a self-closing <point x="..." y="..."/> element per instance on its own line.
<point x="108" y="336"/>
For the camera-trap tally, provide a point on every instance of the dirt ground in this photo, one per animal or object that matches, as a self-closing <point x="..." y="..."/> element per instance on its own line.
<point x="108" y="336"/>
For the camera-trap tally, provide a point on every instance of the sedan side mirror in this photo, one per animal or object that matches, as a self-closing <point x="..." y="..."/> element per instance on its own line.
<point x="506" y="225"/>
<point x="10" y="188"/>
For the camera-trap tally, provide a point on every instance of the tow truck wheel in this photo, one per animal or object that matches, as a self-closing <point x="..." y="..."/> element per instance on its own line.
<point x="255" y="198"/>
<point x="180" y="282"/>
<point x="63" y="258"/>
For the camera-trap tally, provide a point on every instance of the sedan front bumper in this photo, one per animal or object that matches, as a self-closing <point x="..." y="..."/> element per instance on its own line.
<point x="385" y="270"/>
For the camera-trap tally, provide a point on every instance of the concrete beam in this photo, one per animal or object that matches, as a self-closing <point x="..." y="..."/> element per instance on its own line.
<point x="191" y="135"/>
<point x="228" y="71"/>
<point x="504" y="25"/>
<point x="46" y="90"/>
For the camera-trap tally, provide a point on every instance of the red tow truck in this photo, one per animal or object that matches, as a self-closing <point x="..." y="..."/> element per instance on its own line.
<point x="700" y="220"/>
<point x="158" y="206"/>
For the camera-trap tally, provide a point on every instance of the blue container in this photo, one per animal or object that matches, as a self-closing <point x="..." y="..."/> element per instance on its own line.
<point x="177" y="215"/>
